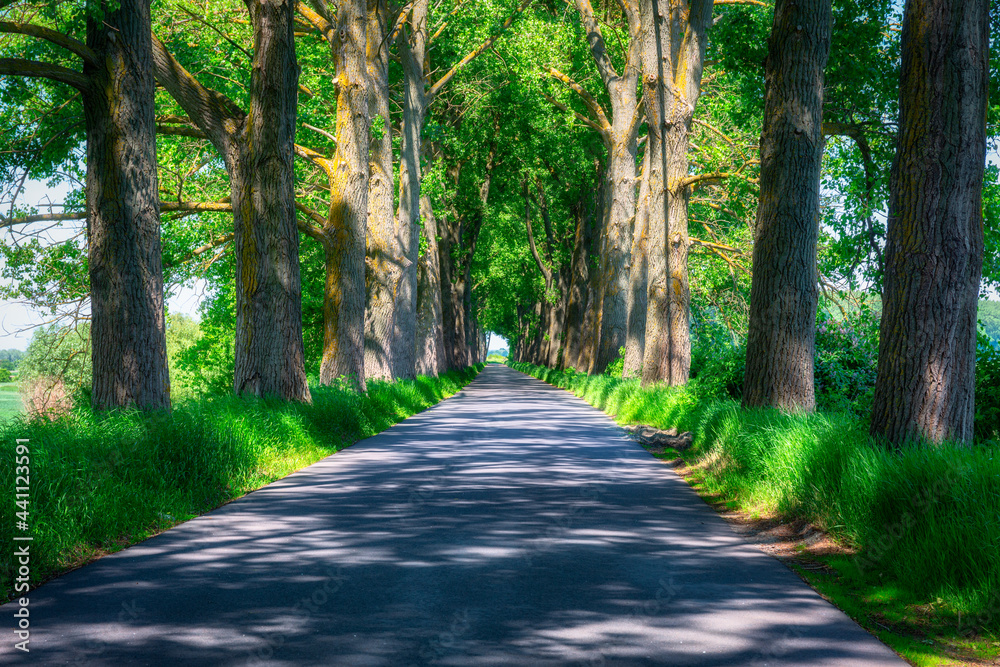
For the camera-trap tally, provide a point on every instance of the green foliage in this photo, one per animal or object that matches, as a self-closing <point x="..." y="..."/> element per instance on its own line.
<point x="926" y="520"/>
<point x="617" y="367"/>
<point x="5" y="375"/>
<point x="101" y="482"/>
<point x="9" y="359"/>
<point x="987" y="389"/>
<point x="846" y="359"/>
<point x="989" y="319"/>
<point x="58" y="353"/>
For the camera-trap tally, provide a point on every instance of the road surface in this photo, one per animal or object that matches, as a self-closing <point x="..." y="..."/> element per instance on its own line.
<point x="512" y="524"/>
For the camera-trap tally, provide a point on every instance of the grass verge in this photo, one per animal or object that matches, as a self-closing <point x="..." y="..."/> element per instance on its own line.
<point x="100" y="482"/>
<point x="920" y="529"/>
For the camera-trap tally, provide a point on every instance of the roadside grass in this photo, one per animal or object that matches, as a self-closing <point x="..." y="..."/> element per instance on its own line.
<point x="10" y="401"/>
<point x="100" y="482"/>
<point x="922" y="525"/>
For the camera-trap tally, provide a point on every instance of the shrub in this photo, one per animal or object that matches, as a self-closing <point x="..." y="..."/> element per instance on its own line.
<point x="987" y="421"/>
<point x="846" y="360"/>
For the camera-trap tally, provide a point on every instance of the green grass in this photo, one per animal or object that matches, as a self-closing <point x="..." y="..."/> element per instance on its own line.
<point x="496" y="358"/>
<point x="924" y="522"/>
<point x="103" y="481"/>
<point x="10" y="401"/>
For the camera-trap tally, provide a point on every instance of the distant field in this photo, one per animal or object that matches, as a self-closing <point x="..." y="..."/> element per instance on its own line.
<point x="10" y="401"/>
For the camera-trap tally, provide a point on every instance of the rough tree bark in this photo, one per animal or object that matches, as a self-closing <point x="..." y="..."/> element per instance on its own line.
<point x="384" y="257"/>
<point x="576" y="299"/>
<point x="123" y="218"/>
<point x="408" y="345"/>
<point x="344" y="300"/>
<point x="673" y="52"/>
<point x="257" y="149"/>
<point x="619" y="134"/>
<point x="934" y="245"/>
<point x="128" y="335"/>
<point x="430" y="352"/>
<point x="781" y="341"/>
<point x="635" y="339"/>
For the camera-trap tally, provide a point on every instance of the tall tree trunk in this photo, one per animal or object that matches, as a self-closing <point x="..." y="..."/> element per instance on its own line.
<point x="430" y="352"/>
<point x="451" y="290"/>
<point x="619" y="138"/>
<point x="128" y="336"/>
<point x="576" y="300"/>
<point x="344" y="301"/>
<point x="557" y="320"/>
<point x="781" y="341"/>
<point x="269" y="349"/>
<point x="383" y="255"/>
<point x="635" y="339"/>
<point x="408" y="346"/>
<point x="673" y="52"/>
<point x="591" y="327"/>
<point x="257" y="150"/>
<point x="934" y="244"/>
<point x="617" y="234"/>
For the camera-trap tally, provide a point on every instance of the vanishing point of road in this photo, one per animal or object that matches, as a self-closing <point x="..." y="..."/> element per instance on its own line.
<point x="512" y="524"/>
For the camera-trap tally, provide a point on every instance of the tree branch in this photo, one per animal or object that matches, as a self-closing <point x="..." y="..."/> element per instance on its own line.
<point x="32" y="68"/>
<point x="59" y="39"/>
<point x="316" y="158"/>
<point x="588" y="99"/>
<point x="579" y="116"/>
<point x="598" y="49"/>
<point x="546" y="272"/>
<point x="319" y="22"/>
<point x="214" y="114"/>
<point x="472" y="55"/>
<point x="688" y="181"/>
<point x="743" y="2"/>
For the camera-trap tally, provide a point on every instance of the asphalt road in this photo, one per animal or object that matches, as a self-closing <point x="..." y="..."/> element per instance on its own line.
<point x="512" y="524"/>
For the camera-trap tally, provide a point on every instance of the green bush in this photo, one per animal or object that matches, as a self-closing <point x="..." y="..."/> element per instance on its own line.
<point x="846" y="360"/>
<point x="987" y="422"/>
<point x="103" y="481"/>
<point x="5" y="375"/>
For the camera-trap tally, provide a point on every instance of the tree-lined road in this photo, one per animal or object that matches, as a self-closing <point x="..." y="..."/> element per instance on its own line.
<point x="510" y="525"/>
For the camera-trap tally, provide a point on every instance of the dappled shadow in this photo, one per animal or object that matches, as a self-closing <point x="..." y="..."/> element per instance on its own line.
<point x="510" y="525"/>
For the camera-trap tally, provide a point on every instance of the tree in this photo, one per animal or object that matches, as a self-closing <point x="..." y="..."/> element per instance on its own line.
<point x="781" y="341"/>
<point x="123" y="218"/>
<point x="934" y="246"/>
<point x="619" y="135"/>
<point x="257" y="149"/>
<point x="674" y="39"/>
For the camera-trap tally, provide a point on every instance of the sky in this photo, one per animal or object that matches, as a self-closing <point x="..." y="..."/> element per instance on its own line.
<point x="16" y="318"/>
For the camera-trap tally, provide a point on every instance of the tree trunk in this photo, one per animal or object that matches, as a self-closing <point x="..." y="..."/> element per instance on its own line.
<point x="257" y="150"/>
<point x="619" y="138"/>
<point x="617" y="229"/>
<point x="430" y="352"/>
<point x="451" y="291"/>
<point x="591" y="327"/>
<point x="781" y="341"/>
<point x="673" y="51"/>
<point x="383" y="256"/>
<point x="344" y="301"/>
<point x="635" y="339"/>
<point x="934" y="245"/>
<point x="128" y="335"/>
<point x="576" y="302"/>
<point x="269" y="349"/>
<point x="412" y="53"/>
